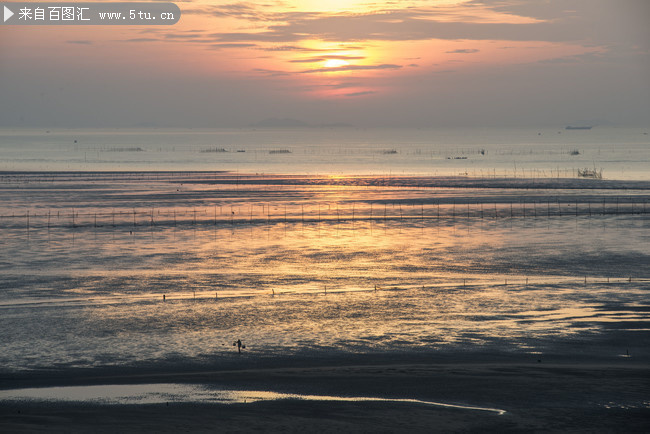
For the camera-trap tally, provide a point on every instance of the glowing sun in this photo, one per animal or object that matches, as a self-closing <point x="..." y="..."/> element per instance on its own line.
<point x="335" y="63"/>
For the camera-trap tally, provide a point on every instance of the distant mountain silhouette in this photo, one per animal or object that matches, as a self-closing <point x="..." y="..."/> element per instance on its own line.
<point x="295" y="123"/>
<point x="280" y="123"/>
<point x="336" y="125"/>
<point x="144" y="125"/>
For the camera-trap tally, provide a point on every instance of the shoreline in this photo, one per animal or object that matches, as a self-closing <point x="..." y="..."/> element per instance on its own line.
<point x="536" y="396"/>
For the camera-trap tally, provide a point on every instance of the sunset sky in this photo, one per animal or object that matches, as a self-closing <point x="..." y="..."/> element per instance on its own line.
<point x="368" y="63"/>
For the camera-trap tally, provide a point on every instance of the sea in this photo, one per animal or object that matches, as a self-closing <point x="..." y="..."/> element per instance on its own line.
<point x="156" y="250"/>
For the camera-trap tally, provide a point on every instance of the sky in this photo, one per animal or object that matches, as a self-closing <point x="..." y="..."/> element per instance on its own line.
<point x="445" y="63"/>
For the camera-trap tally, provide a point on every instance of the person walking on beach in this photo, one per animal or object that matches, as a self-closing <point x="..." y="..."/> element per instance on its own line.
<point x="239" y="345"/>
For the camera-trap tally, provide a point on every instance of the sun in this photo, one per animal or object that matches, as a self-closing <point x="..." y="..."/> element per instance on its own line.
<point x="335" y="63"/>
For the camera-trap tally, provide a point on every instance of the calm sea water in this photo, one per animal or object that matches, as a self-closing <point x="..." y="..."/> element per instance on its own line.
<point x="307" y="270"/>
<point x="622" y="153"/>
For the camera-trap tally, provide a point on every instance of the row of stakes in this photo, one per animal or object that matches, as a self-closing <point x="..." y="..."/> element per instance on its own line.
<point x="354" y="215"/>
<point x="378" y="288"/>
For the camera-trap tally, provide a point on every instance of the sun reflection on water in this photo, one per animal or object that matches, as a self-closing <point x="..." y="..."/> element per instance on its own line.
<point x="311" y="270"/>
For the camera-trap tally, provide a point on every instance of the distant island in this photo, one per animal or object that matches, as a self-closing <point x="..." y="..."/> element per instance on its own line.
<point x="578" y="128"/>
<point x="295" y="123"/>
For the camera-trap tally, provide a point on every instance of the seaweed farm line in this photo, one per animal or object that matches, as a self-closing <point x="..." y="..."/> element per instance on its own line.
<point x="485" y="174"/>
<point x="533" y="177"/>
<point x="320" y="212"/>
<point x="442" y="284"/>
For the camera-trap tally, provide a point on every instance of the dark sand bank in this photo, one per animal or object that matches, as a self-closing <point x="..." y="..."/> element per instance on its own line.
<point x="537" y="397"/>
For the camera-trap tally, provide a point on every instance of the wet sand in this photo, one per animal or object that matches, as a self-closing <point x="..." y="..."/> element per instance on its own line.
<point x="118" y="343"/>
<point x="537" y="397"/>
